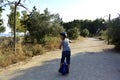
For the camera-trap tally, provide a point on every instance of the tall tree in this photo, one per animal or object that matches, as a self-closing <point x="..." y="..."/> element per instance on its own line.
<point x="44" y="24"/>
<point x="16" y="4"/>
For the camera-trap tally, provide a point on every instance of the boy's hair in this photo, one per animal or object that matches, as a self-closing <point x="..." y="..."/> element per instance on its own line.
<point x="63" y="34"/>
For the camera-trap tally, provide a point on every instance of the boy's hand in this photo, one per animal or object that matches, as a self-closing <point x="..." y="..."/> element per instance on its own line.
<point x="60" y="45"/>
<point x="70" y="41"/>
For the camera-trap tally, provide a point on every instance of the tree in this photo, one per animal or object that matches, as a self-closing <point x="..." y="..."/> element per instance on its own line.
<point x="85" y="33"/>
<point x="36" y="25"/>
<point x="72" y="24"/>
<point x="93" y="26"/>
<point x="55" y="29"/>
<point x="16" y="4"/>
<point x="56" y="25"/>
<point x="43" y="24"/>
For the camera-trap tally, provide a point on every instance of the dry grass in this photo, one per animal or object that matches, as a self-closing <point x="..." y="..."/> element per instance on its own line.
<point x="52" y="43"/>
<point x="7" y="56"/>
<point x="25" y="51"/>
<point x="80" y="38"/>
<point x="31" y="50"/>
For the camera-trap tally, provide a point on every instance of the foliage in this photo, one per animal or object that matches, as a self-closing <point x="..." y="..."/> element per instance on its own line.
<point x="85" y="33"/>
<point x="114" y="32"/>
<point x="44" y="24"/>
<point x="103" y="34"/>
<point x="73" y="33"/>
<point x="19" y="28"/>
<point x="44" y="28"/>
<point x="72" y="24"/>
<point x="94" y="26"/>
<point x="2" y="28"/>
<point x="23" y="20"/>
<point x="24" y="51"/>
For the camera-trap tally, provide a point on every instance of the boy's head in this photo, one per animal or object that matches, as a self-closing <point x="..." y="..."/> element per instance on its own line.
<point x="63" y="35"/>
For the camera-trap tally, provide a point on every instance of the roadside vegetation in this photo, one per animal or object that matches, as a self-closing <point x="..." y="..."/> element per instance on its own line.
<point x="112" y="33"/>
<point x="41" y="33"/>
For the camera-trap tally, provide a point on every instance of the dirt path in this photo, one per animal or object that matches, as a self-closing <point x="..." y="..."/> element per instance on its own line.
<point x="91" y="60"/>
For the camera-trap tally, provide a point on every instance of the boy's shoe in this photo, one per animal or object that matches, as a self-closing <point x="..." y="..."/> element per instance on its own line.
<point x="60" y="70"/>
<point x="67" y="71"/>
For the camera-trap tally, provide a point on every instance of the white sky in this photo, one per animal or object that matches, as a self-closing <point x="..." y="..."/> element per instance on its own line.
<point x="74" y="9"/>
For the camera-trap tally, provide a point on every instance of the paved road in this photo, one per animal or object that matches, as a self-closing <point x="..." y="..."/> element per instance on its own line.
<point x="91" y="60"/>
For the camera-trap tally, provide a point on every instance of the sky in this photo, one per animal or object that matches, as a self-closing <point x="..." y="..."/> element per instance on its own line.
<point x="73" y="9"/>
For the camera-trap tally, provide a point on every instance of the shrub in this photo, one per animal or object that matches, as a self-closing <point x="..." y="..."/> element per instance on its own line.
<point x="115" y="32"/>
<point x="73" y="33"/>
<point x="103" y="35"/>
<point x="85" y="33"/>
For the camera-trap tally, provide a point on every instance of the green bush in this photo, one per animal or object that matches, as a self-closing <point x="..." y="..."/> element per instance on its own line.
<point x="73" y="33"/>
<point x="103" y="34"/>
<point x="85" y="33"/>
<point x="114" y="32"/>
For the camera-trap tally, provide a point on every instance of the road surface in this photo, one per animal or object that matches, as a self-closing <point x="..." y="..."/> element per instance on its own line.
<point x="91" y="59"/>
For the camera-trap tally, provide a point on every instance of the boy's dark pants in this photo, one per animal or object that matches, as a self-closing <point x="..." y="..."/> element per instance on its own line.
<point x="65" y="55"/>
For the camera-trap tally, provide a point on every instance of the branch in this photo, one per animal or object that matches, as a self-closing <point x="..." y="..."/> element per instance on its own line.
<point x="24" y="7"/>
<point x="18" y="2"/>
<point x="9" y="3"/>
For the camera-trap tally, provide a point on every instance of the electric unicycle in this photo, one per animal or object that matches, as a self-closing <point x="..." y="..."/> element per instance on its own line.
<point x="64" y="69"/>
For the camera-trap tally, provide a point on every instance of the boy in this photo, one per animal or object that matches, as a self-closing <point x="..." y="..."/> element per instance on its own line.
<point x="66" y="51"/>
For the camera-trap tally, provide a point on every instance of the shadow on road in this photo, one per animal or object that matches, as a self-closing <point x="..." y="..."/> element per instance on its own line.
<point x="103" y="65"/>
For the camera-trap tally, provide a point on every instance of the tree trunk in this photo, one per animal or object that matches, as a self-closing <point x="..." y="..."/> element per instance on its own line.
<point x="15" y="28"/>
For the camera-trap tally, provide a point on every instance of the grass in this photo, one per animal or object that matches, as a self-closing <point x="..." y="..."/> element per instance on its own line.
<point x="80" y="38"/>
<point x="51" y="43"/>
<point x="7" y="56"/>
<point x="25" y="51"/>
